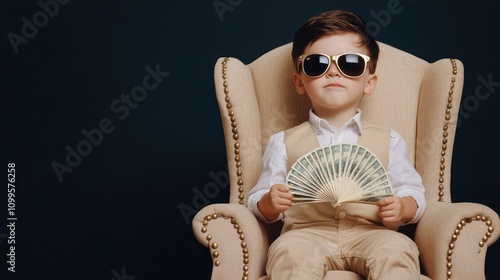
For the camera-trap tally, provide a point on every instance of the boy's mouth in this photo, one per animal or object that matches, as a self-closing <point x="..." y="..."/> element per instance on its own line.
<point x="333" y="85"/>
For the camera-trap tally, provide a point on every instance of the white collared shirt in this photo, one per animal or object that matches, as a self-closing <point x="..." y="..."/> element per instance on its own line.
<point x="404" y="178"/>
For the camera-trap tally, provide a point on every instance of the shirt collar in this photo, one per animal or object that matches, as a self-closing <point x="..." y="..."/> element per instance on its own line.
<point x="320" y="126"/>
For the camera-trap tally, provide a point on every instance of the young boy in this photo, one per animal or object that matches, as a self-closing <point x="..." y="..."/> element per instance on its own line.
<point x="335" y="62"/>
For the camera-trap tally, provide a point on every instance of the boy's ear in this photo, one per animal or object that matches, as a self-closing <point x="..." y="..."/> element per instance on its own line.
<point x="299" y="85"/>
<point x="370" y="84"/>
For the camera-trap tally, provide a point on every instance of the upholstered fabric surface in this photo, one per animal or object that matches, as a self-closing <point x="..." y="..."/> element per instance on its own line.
<point x="417" y="98"/>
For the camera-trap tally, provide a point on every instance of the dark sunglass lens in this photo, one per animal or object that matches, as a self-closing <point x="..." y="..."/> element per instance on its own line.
<point x="351" y="64"/>
<point x="316" y="64"/>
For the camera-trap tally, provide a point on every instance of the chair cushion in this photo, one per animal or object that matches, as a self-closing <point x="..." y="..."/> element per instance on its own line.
<point x="345" y="275"/>
<point x="335" y="274"/>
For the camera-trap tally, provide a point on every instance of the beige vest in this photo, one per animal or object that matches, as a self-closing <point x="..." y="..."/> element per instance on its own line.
<point x="300" y="140"/>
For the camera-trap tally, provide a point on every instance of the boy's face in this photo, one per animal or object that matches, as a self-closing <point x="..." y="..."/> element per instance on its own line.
<point x="334" y="92"/>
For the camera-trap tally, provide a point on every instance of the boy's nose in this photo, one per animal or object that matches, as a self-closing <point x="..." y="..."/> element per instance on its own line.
<point x="333" y="70"/>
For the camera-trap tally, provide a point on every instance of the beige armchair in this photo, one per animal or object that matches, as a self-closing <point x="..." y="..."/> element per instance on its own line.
<point x="417" y="98"/>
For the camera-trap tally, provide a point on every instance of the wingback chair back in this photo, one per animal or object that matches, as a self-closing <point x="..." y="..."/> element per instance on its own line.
<point x="418" y="99"/>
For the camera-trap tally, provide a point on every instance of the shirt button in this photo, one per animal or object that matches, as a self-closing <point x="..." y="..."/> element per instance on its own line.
<point x="342" y="214"/>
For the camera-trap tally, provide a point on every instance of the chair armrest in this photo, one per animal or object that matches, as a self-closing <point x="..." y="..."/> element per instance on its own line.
<point x="237" y="241"/>
<point x="453" y="239"/>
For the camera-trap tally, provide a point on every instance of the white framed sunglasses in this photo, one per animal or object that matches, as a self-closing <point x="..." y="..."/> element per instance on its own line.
<point x="352" y="65"/>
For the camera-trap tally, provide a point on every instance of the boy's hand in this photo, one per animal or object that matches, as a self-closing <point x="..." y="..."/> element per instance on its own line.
<point x="277" y="200"/>
<point x="395" y="209"/>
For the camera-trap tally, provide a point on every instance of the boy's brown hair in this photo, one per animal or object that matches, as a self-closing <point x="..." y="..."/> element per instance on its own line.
<point x="333" y="22"/>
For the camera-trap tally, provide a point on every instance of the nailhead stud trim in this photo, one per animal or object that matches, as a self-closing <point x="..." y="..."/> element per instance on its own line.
<point x="463" y="222"/>
<point x="234" y="126"/>
<point x="444" y="141"/>
<point x="456" y="234"/>
<point x="213" y="246"/>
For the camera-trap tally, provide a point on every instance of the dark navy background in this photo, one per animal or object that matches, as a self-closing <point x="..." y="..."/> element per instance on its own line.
<point x="116" y="215"/>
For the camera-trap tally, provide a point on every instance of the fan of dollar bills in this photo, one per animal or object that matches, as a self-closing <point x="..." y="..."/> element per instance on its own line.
<point x="339" y="173"/>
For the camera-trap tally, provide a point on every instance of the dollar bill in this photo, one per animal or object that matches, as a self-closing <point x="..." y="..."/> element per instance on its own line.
<point x="339" y="173"/>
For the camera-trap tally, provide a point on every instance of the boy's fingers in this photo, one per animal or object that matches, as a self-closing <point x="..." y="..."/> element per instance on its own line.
<point x="382" y="202"/>
<point x="385" y="201"/>
<point x="283" y="188"/>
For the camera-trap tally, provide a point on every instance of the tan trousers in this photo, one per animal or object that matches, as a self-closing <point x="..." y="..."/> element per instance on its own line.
<point x="319" y="237"/>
